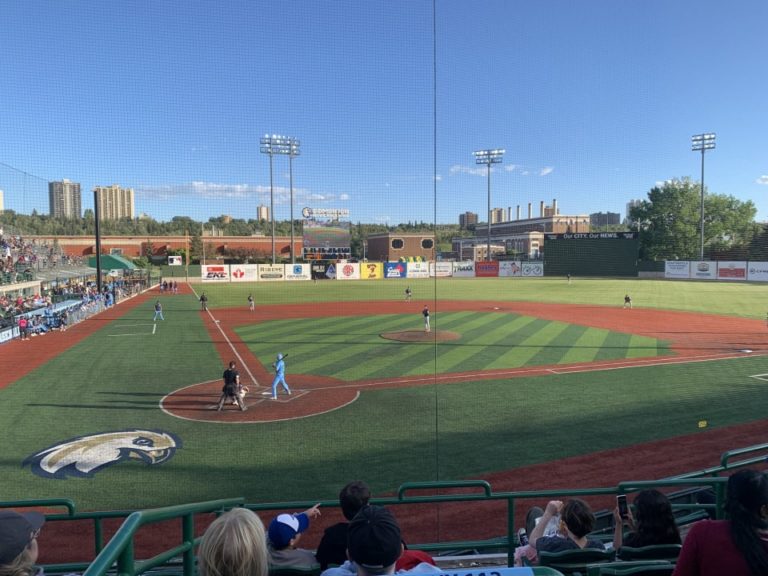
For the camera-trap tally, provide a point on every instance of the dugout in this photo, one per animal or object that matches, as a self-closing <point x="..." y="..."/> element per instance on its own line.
<point x="591" y="254"/>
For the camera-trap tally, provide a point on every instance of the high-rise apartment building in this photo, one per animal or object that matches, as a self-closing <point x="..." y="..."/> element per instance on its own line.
<point x="2" y="206"/>
<point x="64" y="199"/>
<point x="114" y="202"/>
<point x="631" y="204"/>
<point x="262" y="212"/>
<point x="467" y="219"/>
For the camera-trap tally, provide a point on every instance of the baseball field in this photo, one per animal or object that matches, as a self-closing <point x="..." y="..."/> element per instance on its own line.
<point x="528" y="383"/>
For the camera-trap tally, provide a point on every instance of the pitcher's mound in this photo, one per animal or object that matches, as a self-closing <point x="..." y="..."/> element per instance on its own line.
<point x="421" y="336"/>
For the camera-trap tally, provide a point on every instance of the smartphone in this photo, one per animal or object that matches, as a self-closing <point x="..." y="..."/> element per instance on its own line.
<point x="621" y="502"/>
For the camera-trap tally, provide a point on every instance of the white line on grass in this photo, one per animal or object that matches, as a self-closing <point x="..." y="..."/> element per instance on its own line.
<point x="232" y="346"/>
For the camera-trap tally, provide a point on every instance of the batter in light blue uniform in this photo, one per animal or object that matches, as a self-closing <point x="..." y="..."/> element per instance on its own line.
<point x="279" y="367"/>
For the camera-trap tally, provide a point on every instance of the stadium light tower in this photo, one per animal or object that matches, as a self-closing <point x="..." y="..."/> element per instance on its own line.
<point x="489" y="157"/>
<point x="702" y="143"/>
<point x="289" y="146"/>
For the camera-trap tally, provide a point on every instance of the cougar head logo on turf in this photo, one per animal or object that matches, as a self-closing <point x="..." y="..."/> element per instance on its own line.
<point x="85" y="455"/>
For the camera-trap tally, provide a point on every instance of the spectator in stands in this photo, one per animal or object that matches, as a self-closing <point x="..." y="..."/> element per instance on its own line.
<point x="577" y="520"/>
<point x="333" y="546"/>
<point x="653" y="522"/>
<point x="375" y="546"/>
<point x="737" y="546"/>
<point x="18" y="542"/>
<point x="284" y="534"/>
<point x="234" y="545"/>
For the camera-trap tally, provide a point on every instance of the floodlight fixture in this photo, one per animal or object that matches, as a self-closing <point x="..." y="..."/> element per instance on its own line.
<point x="702" y="143"/>
<point x="488" y="157"/>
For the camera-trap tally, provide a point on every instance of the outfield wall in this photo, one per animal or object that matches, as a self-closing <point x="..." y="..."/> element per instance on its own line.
<point x="726" y="270"/>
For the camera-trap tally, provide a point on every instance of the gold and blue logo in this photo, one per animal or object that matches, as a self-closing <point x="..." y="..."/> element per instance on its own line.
<point x="84" y="456"/>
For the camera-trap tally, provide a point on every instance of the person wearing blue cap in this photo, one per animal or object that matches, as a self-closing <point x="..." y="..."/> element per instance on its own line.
<point x="284" y="534"/>
<point x="279" y="366"/>
<point x="18" y="541"/>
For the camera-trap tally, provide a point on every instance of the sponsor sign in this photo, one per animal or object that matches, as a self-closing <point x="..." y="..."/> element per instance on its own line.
<point x="510" y="268"/>
<point x="395" y="270"/>
<point x="464" y="269"/>
<point x="319" y="270"/>
<point x="244" y="272"/>
<point x="215" y="272"/>
<point x="271" y="272"/>
<point x="732" y="270"/>
<point x="174" y="260"/>
<point x="704" y="270"/>
<point x="677" y="269"/>
<point x="486" y="269"/>
<point x="348" y="271"/>
<point x="332" y="213"/>
<point x="532" y="269"/>
<point x="6" y="335"/>
<point x="371" y="270"/>
<point x="440" y="269"/>
<point x="593" y="235"/>
<point x="418" y="269"/>
<point x="298" y="272"/>
<point x="757" y="272"/>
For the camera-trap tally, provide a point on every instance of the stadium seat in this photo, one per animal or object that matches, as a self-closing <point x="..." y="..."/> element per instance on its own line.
<point x="657" y="552"/>
<point x="651" y="568"/>
<point x="574" y="562"/>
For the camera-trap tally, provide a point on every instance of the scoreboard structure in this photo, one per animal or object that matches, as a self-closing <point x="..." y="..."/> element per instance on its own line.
<point x="591" y="254"/>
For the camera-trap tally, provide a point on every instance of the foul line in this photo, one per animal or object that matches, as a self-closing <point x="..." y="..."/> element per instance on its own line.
<point x="217" y="323"/>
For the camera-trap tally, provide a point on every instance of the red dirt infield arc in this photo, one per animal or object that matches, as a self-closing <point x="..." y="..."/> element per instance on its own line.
<point x="693" y="337"/>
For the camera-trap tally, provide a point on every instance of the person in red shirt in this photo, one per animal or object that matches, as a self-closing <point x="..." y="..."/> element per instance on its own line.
<point x="737" y="546"/>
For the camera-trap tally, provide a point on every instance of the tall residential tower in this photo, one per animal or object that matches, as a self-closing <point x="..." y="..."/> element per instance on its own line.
<point x="114" y="202"/>
<point x="64" y="199"/>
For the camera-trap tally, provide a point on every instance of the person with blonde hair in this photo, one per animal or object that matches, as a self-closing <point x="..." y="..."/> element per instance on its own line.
<point x="235" y="544"/>
<point x="18" y="542"/>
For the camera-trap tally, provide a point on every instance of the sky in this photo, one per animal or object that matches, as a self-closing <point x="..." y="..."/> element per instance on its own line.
<point x="593" y="101"/>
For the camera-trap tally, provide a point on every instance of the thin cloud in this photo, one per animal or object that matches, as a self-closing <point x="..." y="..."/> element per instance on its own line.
<point x="546" y="170"/>
<point x="212" y="191"/>
<point x="472" y="170"/>
<point x="762" y="180"/>
<point x="511" y="167"/>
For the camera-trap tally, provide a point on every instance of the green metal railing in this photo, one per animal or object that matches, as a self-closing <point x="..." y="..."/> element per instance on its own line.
<point x="121" y="548"/>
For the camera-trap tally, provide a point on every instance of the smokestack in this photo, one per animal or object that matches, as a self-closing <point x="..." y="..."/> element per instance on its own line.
<point x="518" y="212"/>
<point x="555" y="211"/>
<point x="530" y="210"/>
<point x="509" y="214"/>
<point x="541" y="209"/>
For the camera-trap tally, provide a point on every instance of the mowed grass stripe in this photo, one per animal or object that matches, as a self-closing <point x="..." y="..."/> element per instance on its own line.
<point x="553" y="352"/>
<point x="586" y="346"/>
<point x="528" y="349"/>
<point x="643" y="347"/>
<point x="614" y="343"/>
<point x="396" y="365"/>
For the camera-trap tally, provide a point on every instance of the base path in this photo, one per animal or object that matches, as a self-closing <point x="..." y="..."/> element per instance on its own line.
<point x="693" y="338"/>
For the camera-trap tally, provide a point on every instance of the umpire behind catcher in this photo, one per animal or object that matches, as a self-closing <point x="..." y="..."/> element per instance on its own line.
<point x="231" y="389"/>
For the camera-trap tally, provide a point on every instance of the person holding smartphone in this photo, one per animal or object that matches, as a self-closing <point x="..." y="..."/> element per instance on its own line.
<point x="653" y="522"/>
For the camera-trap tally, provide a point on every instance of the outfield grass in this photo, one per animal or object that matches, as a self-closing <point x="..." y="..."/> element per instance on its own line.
<point x="114" y="380"/>
<point x="746" y="299"/>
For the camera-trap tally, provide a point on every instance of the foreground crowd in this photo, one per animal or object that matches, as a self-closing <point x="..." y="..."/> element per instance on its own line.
<point x="370" y="542"/>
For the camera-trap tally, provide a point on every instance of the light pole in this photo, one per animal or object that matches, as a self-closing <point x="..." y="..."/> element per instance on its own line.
<point x="702" y="143"/>
<point x="289" y="146"/>
<point x="489" y="157"/>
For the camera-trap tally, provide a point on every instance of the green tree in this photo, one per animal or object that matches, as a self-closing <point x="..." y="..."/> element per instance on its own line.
<point x="669" y="222"/>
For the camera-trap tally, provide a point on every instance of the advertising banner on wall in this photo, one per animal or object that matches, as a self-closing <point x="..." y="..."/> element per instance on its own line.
<point x="418" y="269"/>
<point x="215" y="272"/>
<point x="295" y="272"/>
<point x="486" y="269"/>
<point x="704" y="270"/>
<point x="532" y="269"/>
<point x="440" y="269"/>
<point x="271" y="272"/>
<point x="323" y="271"/>
<point x="348" y="271"/>
<point x="510" y="268"/>
<point x="395" y="270"/>
<point x="464" y="269"/>
<point x="757" y="272"/>
<point x="244" y="272"/>
<point x="371" y="270"/>
<point x="677" y="269"/>
<point x="730" y="270"/>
